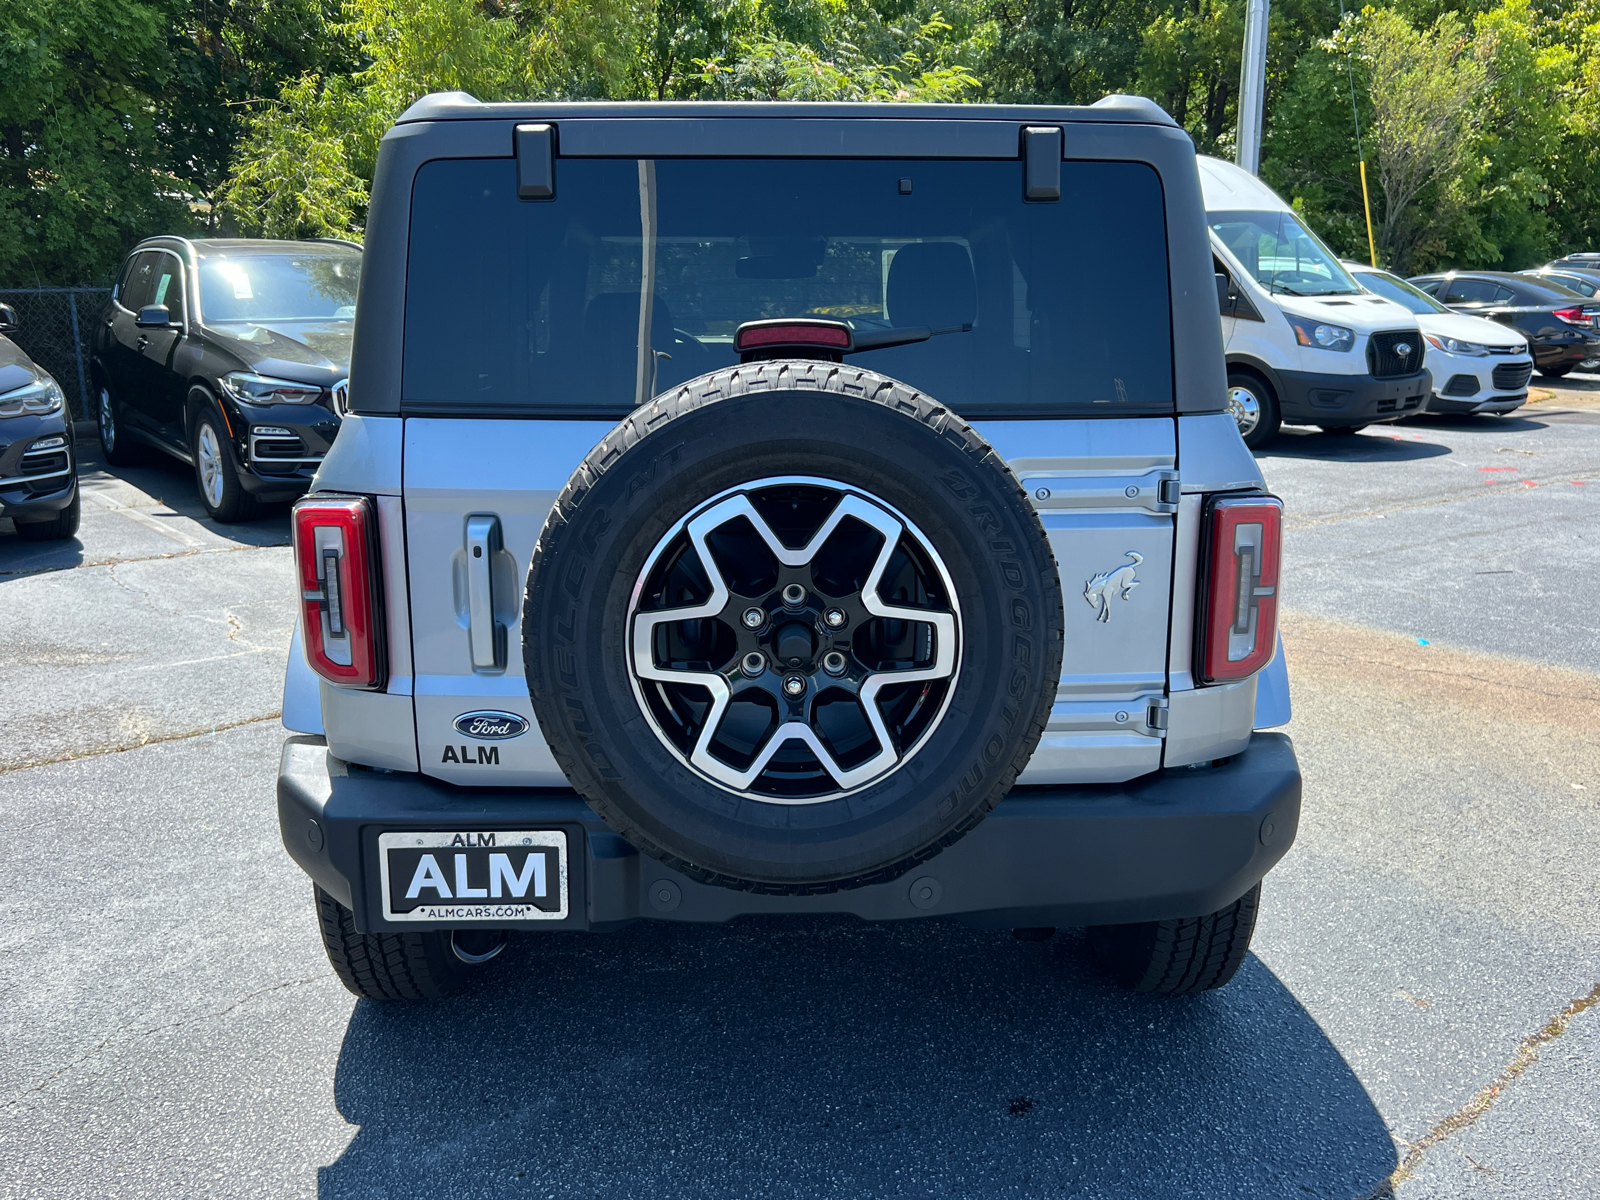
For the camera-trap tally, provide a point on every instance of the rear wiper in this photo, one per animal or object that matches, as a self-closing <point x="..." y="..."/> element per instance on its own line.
<point x="811" y="337"/>
<point x="882" y="339"/>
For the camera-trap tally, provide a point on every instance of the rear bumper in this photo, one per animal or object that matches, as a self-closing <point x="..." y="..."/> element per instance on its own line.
<point x="1175" y="843"/>
<point x="1315" y="398"/>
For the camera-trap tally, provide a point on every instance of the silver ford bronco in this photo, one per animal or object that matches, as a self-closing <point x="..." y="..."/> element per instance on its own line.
<point x="786" y="508"/>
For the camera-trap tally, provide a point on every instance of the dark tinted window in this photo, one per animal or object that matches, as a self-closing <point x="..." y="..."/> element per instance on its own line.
<point x="536" y="306"/>
<point x="1471" y="291"/>
<point x="1546" y="291"/>
<point x="140" y="283"/>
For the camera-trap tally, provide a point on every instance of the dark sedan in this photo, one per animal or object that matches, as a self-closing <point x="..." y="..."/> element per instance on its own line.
<point x="38" y="479"/>
<point x="231" y="355"/>
<point x="1583" y="280"/>
<point x="1562" y="326"/>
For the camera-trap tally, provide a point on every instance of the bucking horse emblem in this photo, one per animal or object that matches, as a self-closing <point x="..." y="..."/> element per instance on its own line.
<point x="1098" y="591"/>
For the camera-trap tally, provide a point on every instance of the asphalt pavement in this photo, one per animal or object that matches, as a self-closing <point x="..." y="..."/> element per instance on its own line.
<point x="1415" y="1020"/>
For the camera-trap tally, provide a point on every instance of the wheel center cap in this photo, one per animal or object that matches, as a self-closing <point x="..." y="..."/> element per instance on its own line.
<point x="794" y="644"/>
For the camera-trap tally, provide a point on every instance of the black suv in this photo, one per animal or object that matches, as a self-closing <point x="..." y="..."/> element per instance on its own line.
<point x="1560" y="324"/>
<point x="38" y="485"/>
<point x="232" y="355"/>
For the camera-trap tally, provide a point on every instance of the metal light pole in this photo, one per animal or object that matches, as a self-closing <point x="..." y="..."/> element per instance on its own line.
<point x="1252" y="83"/>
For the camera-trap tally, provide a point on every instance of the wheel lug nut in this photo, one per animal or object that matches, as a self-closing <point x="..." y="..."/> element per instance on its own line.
<point x="753" y="663"/>
<point x="754" y="618"/>
<point x="833" y="663"/>
<point x="835" y="618"/>
<point x="794" y="685"/>
<point x="794" y="595"/>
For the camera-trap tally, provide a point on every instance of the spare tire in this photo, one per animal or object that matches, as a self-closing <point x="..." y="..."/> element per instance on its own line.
<point x="792" y="627"/>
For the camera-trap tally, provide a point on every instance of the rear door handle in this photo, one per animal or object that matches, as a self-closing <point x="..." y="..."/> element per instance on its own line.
<point x="487" y="636"/>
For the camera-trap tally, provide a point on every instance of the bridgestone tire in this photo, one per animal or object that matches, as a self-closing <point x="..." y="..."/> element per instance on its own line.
<point x="759" y="422"/>
<point x="1193" y="954"/>
<point x="388" y="966"/>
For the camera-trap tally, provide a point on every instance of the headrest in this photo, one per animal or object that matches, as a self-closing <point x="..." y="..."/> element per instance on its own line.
<point x="930" y="283"/>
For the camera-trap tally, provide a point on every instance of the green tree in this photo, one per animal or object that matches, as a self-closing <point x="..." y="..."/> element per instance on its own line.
<point x="83" y="168"/>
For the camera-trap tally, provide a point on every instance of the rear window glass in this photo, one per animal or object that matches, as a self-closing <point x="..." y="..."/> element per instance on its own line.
<point x="537" y="306"/>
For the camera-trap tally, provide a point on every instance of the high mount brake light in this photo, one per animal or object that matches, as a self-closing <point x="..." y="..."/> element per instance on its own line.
<point x="1239" y="590"/>
<point x="765" y="335"/>
<point x="335" y="551"/>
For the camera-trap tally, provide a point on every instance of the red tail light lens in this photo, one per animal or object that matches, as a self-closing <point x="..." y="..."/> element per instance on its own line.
<point x="1572" y="316"/>
<point x="1239" y="630"/>
<point x="758" y="335"/>
<point x="335" y="551"/>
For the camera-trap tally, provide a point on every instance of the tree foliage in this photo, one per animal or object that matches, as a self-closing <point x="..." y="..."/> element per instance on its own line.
<point x="1480" y="119"/>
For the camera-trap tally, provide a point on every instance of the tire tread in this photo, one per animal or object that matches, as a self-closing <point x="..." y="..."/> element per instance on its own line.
<point x="800" y="375"/>
<point x="1182" y="955"/>
<point x="379" y="966"/>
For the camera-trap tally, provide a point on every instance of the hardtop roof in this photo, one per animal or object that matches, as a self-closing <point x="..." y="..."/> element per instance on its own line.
<point x="460" y="106"/>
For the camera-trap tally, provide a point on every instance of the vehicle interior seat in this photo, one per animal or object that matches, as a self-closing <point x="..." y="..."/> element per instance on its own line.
<point x="932" y="284"/>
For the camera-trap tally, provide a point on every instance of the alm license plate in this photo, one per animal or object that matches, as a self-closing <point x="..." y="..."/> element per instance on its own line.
<point x="498" y="875"/>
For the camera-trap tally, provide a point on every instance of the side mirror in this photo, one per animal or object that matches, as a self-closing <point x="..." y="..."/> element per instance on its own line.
<point x="1225" y="295"/>
<point x="8" y="319"/>
<point x="153" y="316"/>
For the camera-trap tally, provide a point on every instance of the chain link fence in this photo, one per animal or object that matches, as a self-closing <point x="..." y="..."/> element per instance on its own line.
<point x="54" y="328"/>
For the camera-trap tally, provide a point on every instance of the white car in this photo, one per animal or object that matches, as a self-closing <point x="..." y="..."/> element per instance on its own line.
<point x="1478" y="365"/>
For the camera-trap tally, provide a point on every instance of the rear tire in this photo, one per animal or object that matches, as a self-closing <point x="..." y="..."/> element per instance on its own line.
<point x="1555" y="372"/>
<point x="398" y="966"/>
<point x="1191" y="954"/>
<point x="215" y="473"/>
<point x="1254" y="406"/>
<point x="115" y="446"/>
<point x="63" y="525"/>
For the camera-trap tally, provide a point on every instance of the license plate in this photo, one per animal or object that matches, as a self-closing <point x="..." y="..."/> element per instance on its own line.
<point x="492" y="876"/>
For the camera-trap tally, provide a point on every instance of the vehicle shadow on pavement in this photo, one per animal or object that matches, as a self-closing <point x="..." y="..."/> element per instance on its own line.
<point x="816" y="1057"/>
<point x="172" y="484"/>
<point x="1376" y="446"/>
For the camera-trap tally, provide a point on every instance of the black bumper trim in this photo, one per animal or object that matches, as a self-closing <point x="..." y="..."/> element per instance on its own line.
<point x="21" y="504"/>
<point x="1312" y="397"/>
<point x="1177" y="843"/>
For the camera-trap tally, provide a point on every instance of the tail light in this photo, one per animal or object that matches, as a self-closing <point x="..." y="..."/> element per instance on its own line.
<point x="336" y="558"/>
<point x="1572" y="316"/>
<point x="1241" y="545"/>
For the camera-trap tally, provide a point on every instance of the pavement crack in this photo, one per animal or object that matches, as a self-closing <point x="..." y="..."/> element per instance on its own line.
<point x="76" y="755"/>
<point x="154" y="1029"/>
<point x="116" y="561"/>
<point x="1467" y="1115"/>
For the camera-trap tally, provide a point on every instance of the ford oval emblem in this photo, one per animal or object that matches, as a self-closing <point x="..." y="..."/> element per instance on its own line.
<point x="491" y="726"/>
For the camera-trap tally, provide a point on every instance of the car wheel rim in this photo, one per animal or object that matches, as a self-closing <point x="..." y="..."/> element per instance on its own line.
<point x="108" y="423"/>
<point x="794" y="640"/>
<point x="1246" y="409"/>
<point x="210" y="461"/>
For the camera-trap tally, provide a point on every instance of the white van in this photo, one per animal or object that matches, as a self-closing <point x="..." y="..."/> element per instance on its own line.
<point x="1305" y="344"/>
